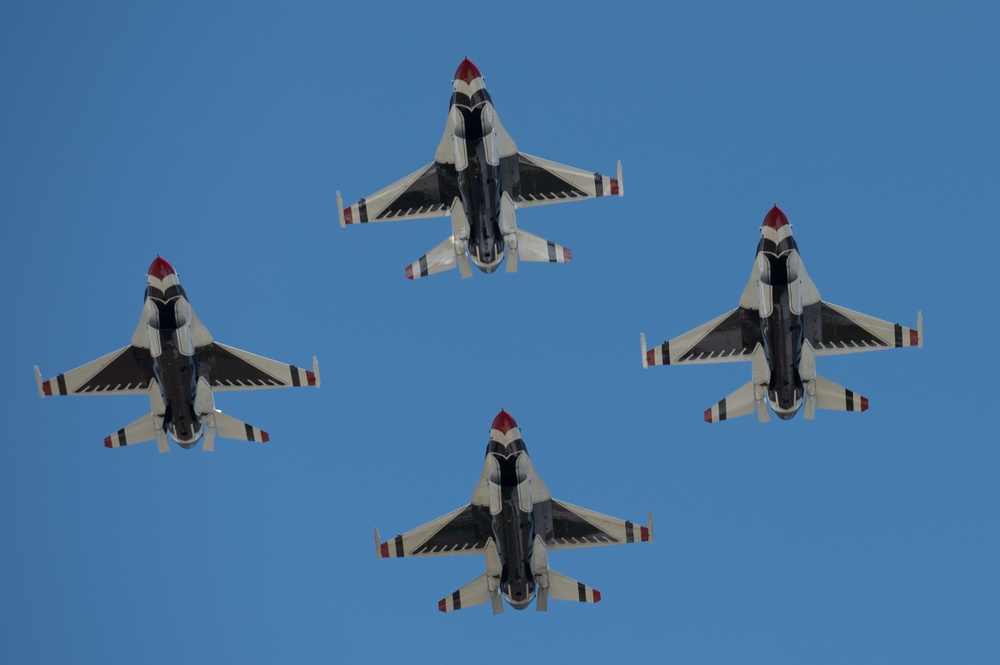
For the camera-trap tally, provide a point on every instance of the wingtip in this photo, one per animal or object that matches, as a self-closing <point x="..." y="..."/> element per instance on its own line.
<point x="378" y="545"/>
<point x="649" y="524"/>
<point x="340" y="209"/>
<point x="920" y="330"/>
<point x="621" y="183"/>
<point x="642" y="343"/>
<point x="316" y="370"/>
<point x="38" y="380"/>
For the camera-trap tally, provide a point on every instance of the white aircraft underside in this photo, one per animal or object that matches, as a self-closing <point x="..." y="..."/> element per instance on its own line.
<point x="781" y="326"/>
<point x="479" y="179"/>
<point x="512" y="517"/>
<point x="174" y="360"/>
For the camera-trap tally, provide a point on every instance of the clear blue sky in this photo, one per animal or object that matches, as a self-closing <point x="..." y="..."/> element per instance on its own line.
<point x="216" y="134"/>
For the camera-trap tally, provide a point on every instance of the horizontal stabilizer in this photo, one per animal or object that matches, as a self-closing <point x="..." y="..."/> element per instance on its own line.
<point x="147" y="428"/>
<point x="439" y="259"/>
<point x="532" y="248"/>
<point x="229" y="428"/>
<point x="739" y="403"/>
<point x="564" y="588"/>
<point x="474" y="593"/>
<point x="831" y="396"/>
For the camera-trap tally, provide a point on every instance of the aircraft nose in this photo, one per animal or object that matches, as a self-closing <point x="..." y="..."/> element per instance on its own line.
<point x="504" y="422"/>
<point x="775" y="219"/>
<point x="467" y="72"/>
<point x="160" y="268"/>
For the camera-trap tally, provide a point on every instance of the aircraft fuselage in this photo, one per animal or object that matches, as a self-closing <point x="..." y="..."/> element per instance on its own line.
<point x="513" y="523"/>
<point x="781" y="320"/>
<point x="168" y="318"/>
<point x="477" y="164"/>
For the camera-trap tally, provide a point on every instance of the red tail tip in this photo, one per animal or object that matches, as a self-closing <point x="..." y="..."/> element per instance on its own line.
<point x="409" y="272"/>
<point x="107" y="442"/>
<point x="504" y="422"/>
<point x="442" y="605"/>
<point x="597" y="596"/>
<point x="864" y="403"/>
<point x="708" y="415"/>
<point x="264" y="437"/>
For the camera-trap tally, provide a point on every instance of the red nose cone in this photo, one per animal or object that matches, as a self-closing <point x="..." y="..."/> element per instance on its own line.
<point x="161" y="268"/>
<point x="504" y="422"/>
<point x="775" y="219"/>
<point x="467" y="71"/>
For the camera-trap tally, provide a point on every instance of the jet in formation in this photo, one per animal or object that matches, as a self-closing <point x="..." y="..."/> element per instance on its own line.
<point x="781" y="326"/>
<point x="479" y="178"/>
<point x="173" y="360"/>
<point x="514" y="521"/>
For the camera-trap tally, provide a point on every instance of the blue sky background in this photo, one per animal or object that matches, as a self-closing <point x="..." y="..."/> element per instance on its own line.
<point x="216" y="134"/>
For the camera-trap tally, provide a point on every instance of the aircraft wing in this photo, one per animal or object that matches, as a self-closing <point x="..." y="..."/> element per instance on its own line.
<point x="832" y="329"/>
<point x="728" y="338"/>
<point x="543" y="182"/>
<point x="462" y="531"/>
<point x="228" y="368"/>
<point x="126" y="371"/>
<point x="573" y="527"/>
<point x="427" y="192"/>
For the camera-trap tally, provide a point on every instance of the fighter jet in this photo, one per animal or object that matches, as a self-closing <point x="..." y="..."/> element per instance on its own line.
<point x="479" y="178"/>
<point x="514" y="521"/>
<point x="173" y="360"/>
<point x="781" y="326"/>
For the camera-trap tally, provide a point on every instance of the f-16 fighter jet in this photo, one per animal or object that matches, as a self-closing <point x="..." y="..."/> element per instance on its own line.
<point x="173" y="360"/>
<point x="781" y="326"/>
<point x="514" y="521"/>
<point x="479" y="178"/>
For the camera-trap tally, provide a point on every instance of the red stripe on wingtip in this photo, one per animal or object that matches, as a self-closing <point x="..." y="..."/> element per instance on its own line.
<point x="644" y="534"/>
<point x="107" y="442"/>
<point x="409" y="272"/>
<point x="597" y="596"/>
<point x="310" y="378"/>
<point x="864" y="403"/>
<point x="348" y="216"/>
<point x="385" y="551"/>
<point x="914" y="338"/>
<point x="651" y="357"/>
<point x="264" y="437"/>
<point x="708" y="415"/>
<point x="614" y="185"/>
<point x="442" y="605"/>
<point x="567" y="254"/>
<point x="47" y="387"/>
